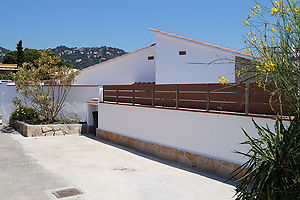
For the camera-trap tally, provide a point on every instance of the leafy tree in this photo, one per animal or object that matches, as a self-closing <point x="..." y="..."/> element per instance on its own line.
<point x="20" y="53"/>
<point x="45" y="83"/>
<point x="29" y="55"/>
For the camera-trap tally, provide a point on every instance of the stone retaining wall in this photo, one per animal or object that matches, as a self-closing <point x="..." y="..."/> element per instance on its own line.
<point x="46" y="130"/>
<point x="212" y="165"/>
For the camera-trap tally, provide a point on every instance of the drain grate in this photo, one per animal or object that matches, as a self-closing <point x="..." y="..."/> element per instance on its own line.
<point x="67" y="193"/>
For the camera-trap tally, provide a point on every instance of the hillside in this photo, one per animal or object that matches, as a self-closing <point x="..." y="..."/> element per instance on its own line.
<point x="87" y="56"/>
<point x="2" y="53"/>
<point x="82" y="57"/>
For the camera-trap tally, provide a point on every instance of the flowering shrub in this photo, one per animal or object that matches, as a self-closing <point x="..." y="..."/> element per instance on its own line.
<point x="272" y="171"/>
<point x="25" y="114"/>
<point x="273" y="40"/>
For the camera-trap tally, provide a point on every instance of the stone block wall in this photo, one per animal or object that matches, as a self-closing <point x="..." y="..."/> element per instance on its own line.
<point x="46" y="130"/>
<point x="212" y="165"/>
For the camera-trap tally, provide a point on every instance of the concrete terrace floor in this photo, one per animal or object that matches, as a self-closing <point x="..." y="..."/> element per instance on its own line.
<point x="31" y="168"/>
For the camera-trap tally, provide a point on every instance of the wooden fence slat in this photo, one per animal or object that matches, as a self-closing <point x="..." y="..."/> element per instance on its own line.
<point x="162" y="102"/>
<point x="192" y="104"/>
<point x="225" y="106"/>
<point x="165" y="88"/>
<point x="230" y="97"/>
<point x="143" y="101"/>
<point x="143" y="94"/>
<point x="143" y="87"/>
<point x="193" y="87"/>
<point x="245" y="98"/>
<point x="165" y="95"/>
<point x="193" y="96"/>
<point x="125" y="94"/>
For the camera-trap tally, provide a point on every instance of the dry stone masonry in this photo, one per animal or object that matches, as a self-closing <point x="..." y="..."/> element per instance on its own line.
<point x="46" y="130"/>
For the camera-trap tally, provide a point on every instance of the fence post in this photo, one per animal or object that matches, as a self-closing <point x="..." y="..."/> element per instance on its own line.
<point x="153" y="91"/>
<point x="177" y="96"/>
<point x="247" y="97"/>
<point x="117" y="95"/>
<point x="133" y="94"/>
<point x="207" y="97"/>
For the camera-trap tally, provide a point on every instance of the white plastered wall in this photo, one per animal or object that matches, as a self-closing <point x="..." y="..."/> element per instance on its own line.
<point x="172" y="68"/>
<point x="208" y="134"/>
<point x="75" y="104"/>
<point x="134" y="67"/>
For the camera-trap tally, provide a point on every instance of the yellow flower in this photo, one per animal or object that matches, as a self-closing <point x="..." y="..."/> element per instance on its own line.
<point x="289" y="28"/>
<point x="270" y="66"/>
<point x="253" y="40"/>
<point x="238" y="73"/>
<point x="251" y="33"/>
<point x="223" y="80"/>
<point x="257" y="67"/>
<point x="272" y="39"/>
<point x="255" y="12"/>
<point x="274" y="30"/>
<point x="249" y="15"/>
<point x="247" y="51"/>
<point x="246" y="23"/>
<point x="276" y="4"/>
<point x="274" y="11"/>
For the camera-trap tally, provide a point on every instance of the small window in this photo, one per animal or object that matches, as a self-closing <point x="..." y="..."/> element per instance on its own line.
<point x="182" y="53"/>
<point x="150" y="57"/>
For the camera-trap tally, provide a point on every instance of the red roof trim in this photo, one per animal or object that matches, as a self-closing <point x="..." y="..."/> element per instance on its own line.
<point x="177" y="36"/>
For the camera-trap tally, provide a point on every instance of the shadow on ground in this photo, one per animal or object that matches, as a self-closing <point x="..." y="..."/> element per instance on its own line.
<point x="164" y="161"/>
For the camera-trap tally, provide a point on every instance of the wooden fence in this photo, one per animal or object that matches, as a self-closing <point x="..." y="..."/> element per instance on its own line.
<point x="242" y="98"/>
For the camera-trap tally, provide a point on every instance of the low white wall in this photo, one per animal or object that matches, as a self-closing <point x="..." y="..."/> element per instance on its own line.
<point x="75" y="105"/>
<point x="213" y="135"/>
<point x="7" y="93"/>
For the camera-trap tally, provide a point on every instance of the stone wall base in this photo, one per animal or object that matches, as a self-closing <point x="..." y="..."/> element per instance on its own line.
<point x="29" y="130"/>
<point x="212" y="165"/>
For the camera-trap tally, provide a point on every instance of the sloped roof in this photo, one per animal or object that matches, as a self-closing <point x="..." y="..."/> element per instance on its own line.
<point x="204" y="43"/>
<point x="124" y="55"/>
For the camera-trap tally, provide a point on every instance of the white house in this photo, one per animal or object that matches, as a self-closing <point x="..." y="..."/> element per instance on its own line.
<point x="172" y="59"/>
<point x="126" y="69"/>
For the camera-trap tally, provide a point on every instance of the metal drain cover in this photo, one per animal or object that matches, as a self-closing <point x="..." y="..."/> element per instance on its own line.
<point x="67" y="193"/>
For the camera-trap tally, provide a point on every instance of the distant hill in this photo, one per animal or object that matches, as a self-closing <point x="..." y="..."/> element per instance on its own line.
<point x="82" y="57"/>
<point x="87" y="56"/>
<point x="3" y="51"/>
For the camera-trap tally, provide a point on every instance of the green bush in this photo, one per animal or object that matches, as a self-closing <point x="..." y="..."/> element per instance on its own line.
<point x="273" y="166"/>
<point x="6" y="76"/>
<point x="25" y="114"/>
<point x="67" y="121"/>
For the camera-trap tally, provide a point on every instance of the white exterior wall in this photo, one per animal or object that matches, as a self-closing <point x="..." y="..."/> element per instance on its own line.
<point x="75" y="104"/>
<point x="128" y="69"/>
<point x="172" y="68"/>
<point x="212" y="135"/>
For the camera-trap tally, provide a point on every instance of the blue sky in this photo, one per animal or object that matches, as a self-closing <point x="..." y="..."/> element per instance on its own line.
<point x="120" y="23"/>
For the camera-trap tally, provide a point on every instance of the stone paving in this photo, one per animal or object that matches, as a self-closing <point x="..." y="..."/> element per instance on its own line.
<point x="31" y="167"/>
